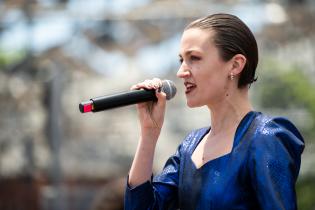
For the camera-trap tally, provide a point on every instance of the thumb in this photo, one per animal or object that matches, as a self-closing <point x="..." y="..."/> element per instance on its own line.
<point x="161" y="96"/>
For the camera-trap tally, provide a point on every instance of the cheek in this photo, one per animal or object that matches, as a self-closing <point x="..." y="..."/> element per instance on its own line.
<point x="213" y="79"/>
<point x="211" y="74"/>
<point x="219" y="76"/>
<point x="215" y="85"/>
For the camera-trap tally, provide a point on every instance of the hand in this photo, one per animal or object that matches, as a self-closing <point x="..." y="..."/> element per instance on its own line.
<point x="151" y="114"/>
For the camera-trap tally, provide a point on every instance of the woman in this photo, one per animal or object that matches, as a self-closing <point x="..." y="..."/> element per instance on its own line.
<point x="245" y="160"/>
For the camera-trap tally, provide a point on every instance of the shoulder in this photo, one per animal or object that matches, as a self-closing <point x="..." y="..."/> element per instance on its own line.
<point x="273" y="130"/>
<point x="275" y="139"/>
<point x="274" y="160"/>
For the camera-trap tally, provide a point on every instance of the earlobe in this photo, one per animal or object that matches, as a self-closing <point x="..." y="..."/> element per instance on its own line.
<point x="231" y="76"/>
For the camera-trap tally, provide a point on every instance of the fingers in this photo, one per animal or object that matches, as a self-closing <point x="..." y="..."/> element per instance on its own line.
<point x="155" y="83"/>
<point x="161" y="96"/>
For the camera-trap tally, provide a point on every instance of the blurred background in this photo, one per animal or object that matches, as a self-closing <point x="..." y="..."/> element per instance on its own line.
<point x="56" y="53"/>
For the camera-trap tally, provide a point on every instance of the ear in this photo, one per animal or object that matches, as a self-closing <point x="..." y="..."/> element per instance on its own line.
<point x="238" y="63"/>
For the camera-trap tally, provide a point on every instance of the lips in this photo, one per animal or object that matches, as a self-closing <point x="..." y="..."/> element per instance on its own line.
<point x="189" y="87"/>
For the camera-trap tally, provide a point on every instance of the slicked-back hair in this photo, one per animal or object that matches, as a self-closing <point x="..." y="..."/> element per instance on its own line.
<point x="231" y="37"/>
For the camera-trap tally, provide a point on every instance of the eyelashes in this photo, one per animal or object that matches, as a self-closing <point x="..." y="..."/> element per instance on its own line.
<point x="195" y="58"/>
<point x="191" y="58"/>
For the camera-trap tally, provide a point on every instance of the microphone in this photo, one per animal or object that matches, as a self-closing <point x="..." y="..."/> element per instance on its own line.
<point x="126" y="98"/>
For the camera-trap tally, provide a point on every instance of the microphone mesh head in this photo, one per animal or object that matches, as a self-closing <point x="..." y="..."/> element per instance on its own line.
<point x="169" y="88"/>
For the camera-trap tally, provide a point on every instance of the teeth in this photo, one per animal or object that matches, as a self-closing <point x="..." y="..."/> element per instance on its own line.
<point x="189" y="85"/>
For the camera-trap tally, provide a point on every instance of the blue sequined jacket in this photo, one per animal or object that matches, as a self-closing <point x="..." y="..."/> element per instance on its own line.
<point x="259" y="173"/>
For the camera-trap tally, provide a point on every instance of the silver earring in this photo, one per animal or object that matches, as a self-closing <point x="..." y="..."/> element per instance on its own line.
<point x="232" y="76"/>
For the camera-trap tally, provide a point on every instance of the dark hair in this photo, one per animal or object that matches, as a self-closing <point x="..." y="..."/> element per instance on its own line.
<point x="231" y="37"/>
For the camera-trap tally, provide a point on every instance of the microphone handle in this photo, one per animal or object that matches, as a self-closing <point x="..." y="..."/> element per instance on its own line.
<point x="122" y="99"/>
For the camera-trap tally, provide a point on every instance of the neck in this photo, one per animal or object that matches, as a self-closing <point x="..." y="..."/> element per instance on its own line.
<point x="228" y="112"/>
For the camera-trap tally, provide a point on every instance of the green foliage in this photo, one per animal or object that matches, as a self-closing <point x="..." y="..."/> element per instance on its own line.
<point x="9" y="58"/>
<point x="287" y="88"/>
<point x="302" y="90"/>
<point x="305" y="193"/>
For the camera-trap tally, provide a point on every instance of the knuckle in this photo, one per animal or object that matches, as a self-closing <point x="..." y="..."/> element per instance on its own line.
<point x="157" y="82"/>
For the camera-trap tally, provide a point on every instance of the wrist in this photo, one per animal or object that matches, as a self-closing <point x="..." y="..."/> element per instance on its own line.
<point x="150" y="136"/>
<point x="152" y="132"/>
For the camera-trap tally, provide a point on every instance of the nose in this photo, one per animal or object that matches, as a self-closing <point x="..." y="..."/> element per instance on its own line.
<point x="183" y="71"/>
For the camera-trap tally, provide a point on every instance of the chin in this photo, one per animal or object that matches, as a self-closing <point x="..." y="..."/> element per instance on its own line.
<point x="192" y="104"/>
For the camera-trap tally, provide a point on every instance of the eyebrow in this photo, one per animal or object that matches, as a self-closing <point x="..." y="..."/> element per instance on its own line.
<point x="188" y="52"/>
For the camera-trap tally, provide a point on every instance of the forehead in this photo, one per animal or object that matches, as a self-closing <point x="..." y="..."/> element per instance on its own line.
<point x="195" y="39"/>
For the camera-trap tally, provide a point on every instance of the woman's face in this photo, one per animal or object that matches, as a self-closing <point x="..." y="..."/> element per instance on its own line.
<point x="205" y="74"/>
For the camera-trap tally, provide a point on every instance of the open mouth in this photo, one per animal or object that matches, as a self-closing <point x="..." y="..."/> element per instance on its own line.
<point x="189" y="87"/>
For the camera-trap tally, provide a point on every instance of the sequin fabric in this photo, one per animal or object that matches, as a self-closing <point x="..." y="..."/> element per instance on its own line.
<point x="259" y="173"/>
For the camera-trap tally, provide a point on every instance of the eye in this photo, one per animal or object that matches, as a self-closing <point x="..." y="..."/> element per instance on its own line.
<point x="195" y="58"/>
<point x="180" y="60"/>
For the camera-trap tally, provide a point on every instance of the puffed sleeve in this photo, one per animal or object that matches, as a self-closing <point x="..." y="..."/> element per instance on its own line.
<point x="274" y="164"/>
<point x="159" y="193"/>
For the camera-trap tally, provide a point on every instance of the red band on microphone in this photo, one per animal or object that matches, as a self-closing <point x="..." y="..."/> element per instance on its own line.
<point x="86" y="106"/>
